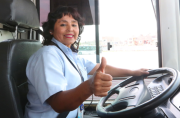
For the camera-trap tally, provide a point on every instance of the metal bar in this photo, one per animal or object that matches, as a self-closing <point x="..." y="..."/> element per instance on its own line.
<point x="16" y="33"/>
<point x="30" y="34"/>
<point x="97" y="30"/>
<point x="4" y="29"/>
<point x="158" y="33"/>
<point x="34" y="34"/>
<point x="38" y="10"/>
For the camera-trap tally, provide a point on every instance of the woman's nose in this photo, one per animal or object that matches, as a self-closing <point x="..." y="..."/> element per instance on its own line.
<point x="70" y="28"/>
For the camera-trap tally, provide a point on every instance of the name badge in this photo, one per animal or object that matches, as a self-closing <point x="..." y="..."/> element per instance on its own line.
<point x="80" y="111"/>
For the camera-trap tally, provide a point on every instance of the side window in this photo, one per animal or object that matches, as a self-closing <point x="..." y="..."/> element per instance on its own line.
<point x="129" y="26"/>
<point x="88" y="38"/>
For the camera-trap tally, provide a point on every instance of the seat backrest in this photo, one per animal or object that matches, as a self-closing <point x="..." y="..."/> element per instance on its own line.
<point x="14" y="55"/>
<point x="19" y="12"/>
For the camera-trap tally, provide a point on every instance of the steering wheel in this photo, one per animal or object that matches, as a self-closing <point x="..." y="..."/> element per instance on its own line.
<point x="136" y="99"/>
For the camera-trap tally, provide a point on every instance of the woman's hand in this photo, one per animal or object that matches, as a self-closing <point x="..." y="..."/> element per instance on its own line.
<point x="140" y="72"/>
<point x="100" y="83"/>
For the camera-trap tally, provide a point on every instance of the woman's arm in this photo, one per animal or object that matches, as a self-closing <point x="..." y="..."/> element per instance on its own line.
<point x="99" y="84"/>
<point x="70" y="99"/>
<point x="119" y="72"/>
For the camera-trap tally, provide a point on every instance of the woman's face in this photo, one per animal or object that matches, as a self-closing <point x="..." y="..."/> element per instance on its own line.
<point x="66" y="30"/>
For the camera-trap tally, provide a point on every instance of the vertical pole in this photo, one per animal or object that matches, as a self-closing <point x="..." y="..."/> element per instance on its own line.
<point x="38" y="10"/>
<point x="34" y="34"/>
<point x="97" y="30"/>
<point x="30" y="34"/>
<point x="16" y="33"/>
<point x="158" y="33"/>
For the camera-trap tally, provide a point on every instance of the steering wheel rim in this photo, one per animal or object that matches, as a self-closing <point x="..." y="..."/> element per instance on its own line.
<point x="145" y="106"/>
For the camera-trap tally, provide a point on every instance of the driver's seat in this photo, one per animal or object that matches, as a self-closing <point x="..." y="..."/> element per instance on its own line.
<point x="14" y="54"/>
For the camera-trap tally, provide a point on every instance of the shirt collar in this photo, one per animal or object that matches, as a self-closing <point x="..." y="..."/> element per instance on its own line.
<point x="62" y="46"/>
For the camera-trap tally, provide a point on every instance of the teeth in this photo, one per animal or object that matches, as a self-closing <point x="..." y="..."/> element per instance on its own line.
<point x="69" y="36"/>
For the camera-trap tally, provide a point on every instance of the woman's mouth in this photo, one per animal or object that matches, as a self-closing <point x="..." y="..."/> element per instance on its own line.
<point x="68" y="36"/>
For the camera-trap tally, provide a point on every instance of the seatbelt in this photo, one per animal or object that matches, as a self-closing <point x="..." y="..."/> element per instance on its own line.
<point x="78" y="70"/>
<point x="64" y="114"/>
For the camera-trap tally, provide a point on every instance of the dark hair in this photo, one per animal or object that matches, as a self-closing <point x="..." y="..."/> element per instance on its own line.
<point x="57" y="14"/>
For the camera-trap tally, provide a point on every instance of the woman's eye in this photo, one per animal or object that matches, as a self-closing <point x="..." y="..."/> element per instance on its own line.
<point x="63" y="25"/>
<point x="74" y="25"/>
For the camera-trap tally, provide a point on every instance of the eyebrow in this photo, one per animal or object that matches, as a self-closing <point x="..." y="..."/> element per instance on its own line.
<point x="74" y="21"/>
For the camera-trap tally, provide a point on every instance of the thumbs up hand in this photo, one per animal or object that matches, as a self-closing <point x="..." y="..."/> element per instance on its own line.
<point x="100" y="83"/>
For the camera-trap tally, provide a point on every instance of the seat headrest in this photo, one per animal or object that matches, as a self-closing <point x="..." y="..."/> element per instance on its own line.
<point x="19" y="12"/>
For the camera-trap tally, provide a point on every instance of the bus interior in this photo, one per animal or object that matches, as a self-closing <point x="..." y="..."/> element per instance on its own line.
<point x="130" y="34"/>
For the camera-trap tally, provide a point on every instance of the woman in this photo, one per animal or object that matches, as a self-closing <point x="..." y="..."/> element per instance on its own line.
<point x="57" y="77"/>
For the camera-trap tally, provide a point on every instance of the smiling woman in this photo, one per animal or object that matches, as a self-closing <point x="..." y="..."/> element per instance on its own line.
<point x="66" y="30"/>
<point x="66" y="27"/>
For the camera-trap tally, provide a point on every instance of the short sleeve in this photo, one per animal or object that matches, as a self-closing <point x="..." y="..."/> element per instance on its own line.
<point x="88" y="64"/>
<point x="45" y="72"/>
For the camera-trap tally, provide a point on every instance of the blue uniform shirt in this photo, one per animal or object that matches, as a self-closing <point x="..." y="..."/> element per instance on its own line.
<point x="49" y="72"/>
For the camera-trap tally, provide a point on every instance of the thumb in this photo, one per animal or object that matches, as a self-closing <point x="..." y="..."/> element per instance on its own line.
<point x="102" y="65"/>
